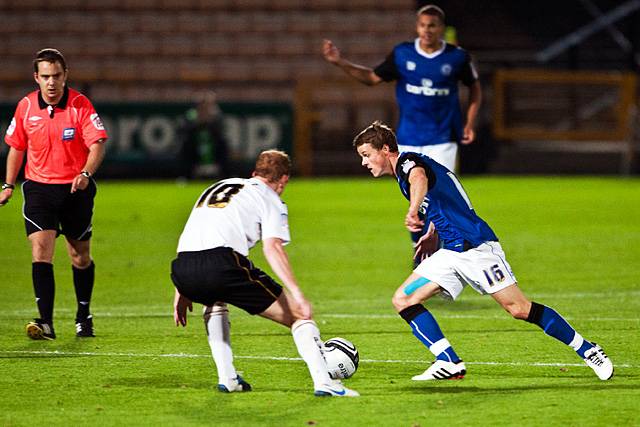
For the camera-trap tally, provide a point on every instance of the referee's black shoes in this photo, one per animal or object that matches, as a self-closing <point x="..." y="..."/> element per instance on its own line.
<point x="84" y="328"/>
<point x="40" y="330"/>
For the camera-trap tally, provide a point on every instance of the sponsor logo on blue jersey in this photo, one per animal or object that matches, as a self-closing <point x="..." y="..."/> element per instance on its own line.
<point x="68" y="134"/>
<point x="407" y="165"/>
<point x="426" y="89"/>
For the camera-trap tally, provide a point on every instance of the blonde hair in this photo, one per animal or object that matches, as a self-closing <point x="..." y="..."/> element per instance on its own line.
<point x="273" y="165"/>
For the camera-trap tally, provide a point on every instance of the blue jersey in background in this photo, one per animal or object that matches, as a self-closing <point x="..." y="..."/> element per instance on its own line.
<point x="427" y="91"/>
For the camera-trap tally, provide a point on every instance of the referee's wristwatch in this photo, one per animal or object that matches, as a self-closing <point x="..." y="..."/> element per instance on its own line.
<point x="7" y="185"/>
<point x="86" y="174"/>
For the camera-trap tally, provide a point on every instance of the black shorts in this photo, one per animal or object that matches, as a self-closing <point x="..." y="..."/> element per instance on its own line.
<point x="221" y="274"/>
<point x="54" y="207"/>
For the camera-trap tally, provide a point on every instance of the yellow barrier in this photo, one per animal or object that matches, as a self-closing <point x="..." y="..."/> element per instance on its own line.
<point x="598" y="105"/>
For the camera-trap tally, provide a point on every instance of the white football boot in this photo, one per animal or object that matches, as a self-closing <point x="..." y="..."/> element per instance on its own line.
<point x="335" y="388"/>
<point x="597" y="360"/>
<point x="442" y="370"/>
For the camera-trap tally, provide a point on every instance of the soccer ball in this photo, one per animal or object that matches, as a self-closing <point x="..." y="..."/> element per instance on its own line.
<point x="342" y="358"/>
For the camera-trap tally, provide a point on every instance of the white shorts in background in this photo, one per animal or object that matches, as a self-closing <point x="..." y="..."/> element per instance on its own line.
<point x="445" y="154"/>
<point x="484" y="268"/>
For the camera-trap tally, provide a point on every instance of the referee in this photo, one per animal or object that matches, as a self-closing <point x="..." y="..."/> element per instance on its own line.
<point x="63" y="138"/>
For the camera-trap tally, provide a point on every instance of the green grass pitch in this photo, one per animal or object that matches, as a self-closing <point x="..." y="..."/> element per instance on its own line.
<point x="573" y="244"/>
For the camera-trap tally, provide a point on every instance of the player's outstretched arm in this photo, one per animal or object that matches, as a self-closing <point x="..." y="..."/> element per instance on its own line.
<point x="279" y="261"/>
<point x="180" y="306"/>
<point x="361" y="73"/>
<point x="14" y="163"/>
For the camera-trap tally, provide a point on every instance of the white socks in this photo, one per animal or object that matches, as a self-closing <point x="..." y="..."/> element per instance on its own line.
<point x="307" y="338"/>
<point x="576" y="342"/>
<point x="305" y="334"/>
<point x="216" y="320"/>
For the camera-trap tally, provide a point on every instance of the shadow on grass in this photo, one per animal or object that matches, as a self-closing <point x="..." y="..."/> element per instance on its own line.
<point x="435" y="389"/>
<point x="162" y="381"/>
<point x="206" y="381"/>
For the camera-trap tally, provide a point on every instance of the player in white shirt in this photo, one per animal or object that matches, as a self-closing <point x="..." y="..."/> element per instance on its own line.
<point x="212" y="269"/>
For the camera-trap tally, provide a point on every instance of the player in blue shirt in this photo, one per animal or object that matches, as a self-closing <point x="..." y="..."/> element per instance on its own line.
<point x="468" y="254"/>
<point x="427" y="71"/>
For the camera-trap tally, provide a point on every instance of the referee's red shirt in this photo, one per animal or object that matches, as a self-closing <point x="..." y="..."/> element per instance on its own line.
<point x="57" y="139"/>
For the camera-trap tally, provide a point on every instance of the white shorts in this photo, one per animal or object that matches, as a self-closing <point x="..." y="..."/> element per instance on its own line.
<point x="484" y="268"/>
<point x="445" y="154"/>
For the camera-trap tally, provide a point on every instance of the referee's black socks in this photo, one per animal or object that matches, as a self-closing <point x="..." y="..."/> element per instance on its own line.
<point x="44" y="289"/>
<point x="83" y="284"/>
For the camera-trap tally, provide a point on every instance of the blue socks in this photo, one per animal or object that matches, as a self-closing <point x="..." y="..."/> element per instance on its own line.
<point x="426" y="329"/>
<point x="555" y="326"/>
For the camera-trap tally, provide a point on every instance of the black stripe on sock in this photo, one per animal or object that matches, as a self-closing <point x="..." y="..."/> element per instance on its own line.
<point x="411" y="312"/>
<point x="535" y="313"/>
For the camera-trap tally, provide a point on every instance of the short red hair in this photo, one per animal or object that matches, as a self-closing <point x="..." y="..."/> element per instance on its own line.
<point x="273" y="165"/>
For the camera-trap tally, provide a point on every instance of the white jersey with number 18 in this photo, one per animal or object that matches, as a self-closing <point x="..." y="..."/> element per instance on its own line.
<point x="235" y="213"/>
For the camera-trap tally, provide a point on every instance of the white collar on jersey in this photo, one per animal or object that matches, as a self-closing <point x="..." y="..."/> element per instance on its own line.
<point x="264" y="184"/>
<point x="428" y="55"/>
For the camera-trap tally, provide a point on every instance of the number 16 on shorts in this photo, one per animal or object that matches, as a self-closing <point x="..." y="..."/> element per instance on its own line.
<point x="493" y="274"/>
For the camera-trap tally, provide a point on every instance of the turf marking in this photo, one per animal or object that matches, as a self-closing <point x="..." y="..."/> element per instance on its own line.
<point x="440" y="315"/>
<point x="473" y="316"/>
<point x="277" y="358"/>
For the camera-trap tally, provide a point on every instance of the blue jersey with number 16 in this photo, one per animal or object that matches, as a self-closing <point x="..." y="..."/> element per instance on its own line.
<point x="446" y="204"/>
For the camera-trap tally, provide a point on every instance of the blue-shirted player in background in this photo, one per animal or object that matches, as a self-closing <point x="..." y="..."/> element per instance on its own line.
<point x="427" y="71"/>
<point x="469" y="254"/>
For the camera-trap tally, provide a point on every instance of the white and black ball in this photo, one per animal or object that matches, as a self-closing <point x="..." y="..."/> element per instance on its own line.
<point x="342" y="358"/>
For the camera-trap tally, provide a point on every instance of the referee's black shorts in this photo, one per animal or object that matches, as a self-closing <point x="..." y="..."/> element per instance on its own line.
<point x="54" y="207"/>
<point x="222" y="274"/>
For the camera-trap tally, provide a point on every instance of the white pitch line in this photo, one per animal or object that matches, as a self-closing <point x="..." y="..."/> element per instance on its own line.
<point x="475" y="316"/>
<point x="278" y="358"/>
<point x="155" y="310"/>
<point x="168" y="314"/>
